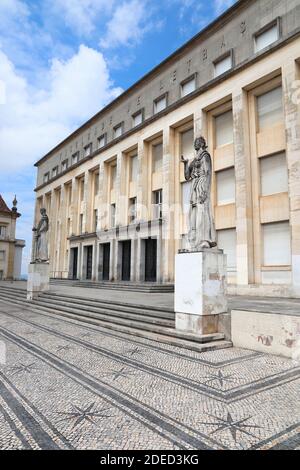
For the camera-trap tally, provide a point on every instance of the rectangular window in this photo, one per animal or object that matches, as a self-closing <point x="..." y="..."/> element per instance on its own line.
<point x="276" y="244"/>
<point x="2" y="231"/>
<point x="75" y="158"/>
<point x="225" y="187"/>
<point x="132" y="210"/>
<point x="64" y="165"/>
<point x="137" y="119"/>
<point x="224" y="129"/>
<point x="81" y="224"/>
<point x="102" y="141"/>
<point x="133" y="168"/>
<point x="113" y="176"/>
<point x="88" y="150"/>
<point x="81" y="189"/>
<point x="2" y="255"/>
<point x="269" y="108"/>
<point x="96" y="183"/>
<point x="118" y="131"/>
<point x="223" y="65"/>
<point x="95" y="220"/>
<point x="187" y="144"/>
<point x="186" y="196"/>
<point x="1" y="275"/>
<point x="54" y="171"/>
<point x="113" y="215"/>
<point x="267" y="37"/>
<point x="160" y="104"/>
<point x="157" y="204"/>
<point x="273" y="174"/>
<point x="46" y="177"/>
<point x="188" y="86"/>
<point x="227" y="242"/>
<point x="157" y="158"/>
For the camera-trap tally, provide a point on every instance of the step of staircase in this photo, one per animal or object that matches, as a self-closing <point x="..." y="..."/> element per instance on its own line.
<point x="121" y="285"/>
<point x="146" y="326"/>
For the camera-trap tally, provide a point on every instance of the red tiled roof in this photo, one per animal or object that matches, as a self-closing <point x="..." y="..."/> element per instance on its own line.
<point x="3" y="206"/>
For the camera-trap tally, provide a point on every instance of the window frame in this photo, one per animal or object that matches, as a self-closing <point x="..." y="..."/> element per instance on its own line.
<point x="187" y="80"/>
<point x="119" y="126"/>
<point x="276" y="22"/>
<point x="222" y="57"/>
<point x="159" y="98"/>
<point x="134" y="115"/>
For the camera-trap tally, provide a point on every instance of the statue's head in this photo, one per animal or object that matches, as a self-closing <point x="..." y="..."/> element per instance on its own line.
<point x="199" y="143"/>
<point x="43" y="211"/>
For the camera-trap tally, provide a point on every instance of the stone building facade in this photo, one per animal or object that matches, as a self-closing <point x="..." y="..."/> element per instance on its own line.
<point x="115" y="190"/>
<point x="10" y="247"/>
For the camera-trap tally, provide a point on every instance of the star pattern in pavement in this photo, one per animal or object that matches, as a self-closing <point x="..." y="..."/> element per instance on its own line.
<point x="22" y="368"/>
<point x="84" y="415"/>
<point x="232" y="425"/>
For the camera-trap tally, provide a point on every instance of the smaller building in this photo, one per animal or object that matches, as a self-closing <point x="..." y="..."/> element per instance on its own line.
<point x="10" y="247"/>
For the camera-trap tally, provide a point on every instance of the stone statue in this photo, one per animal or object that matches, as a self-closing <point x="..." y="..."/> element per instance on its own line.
<point x="40" y="245"/>
<point x="202" y="233"/>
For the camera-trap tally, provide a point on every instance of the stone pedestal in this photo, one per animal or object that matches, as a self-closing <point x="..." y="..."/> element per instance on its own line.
<point x="38" y="279"/>
<point x="200" y="290"/>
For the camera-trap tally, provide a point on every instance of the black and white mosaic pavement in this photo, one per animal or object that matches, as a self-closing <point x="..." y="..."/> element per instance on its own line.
<point x="67" y="385"/>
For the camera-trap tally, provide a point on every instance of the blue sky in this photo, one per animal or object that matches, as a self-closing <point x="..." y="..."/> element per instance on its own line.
<point x="61" y="61"/>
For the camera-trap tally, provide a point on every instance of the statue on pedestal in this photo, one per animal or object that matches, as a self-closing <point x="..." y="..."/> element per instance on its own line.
<point x="202" y="233"/>
<point x="40" y="241"/>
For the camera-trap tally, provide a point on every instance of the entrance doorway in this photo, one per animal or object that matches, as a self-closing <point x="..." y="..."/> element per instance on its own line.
<point x="150" y="259"/>
<point x="74" y="262"/>
<point x="126" y="260"/>
<point x="105" y="265"/>
<point x="89" y="262"/>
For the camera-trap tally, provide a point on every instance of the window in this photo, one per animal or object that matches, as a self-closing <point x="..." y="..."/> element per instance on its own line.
<point x="118" y="130"/>
<point x="64" y="165"/>
<point x="157" y="204"/>
<point x="75" y="158"/>
<point x="187" y="143"/>
<point x="273" y="174"/>
<point x="2" y="255"/>
<point x="137" y="119"/>
<point x="223" y="65"/>
<point x="1" y="275"/>
<point x="266" y="37"/>
<point x="54" y="171"/>
<point x="113" y="215"/>
<point x="81" y="224"/>
<point x="160" y="104"/>
<point x="69" y="190"/>
<point x="46" y="177"/>
<point x="276" y="244"/>
<point x="132" y="210"/>
<point x="113" y="176"/>
<point x="227" y="242"/>
<point x="133" y="168"/>
<point x="95" y="220"/>
<point x="269" y="108"/>
<point x="224" y="129"/>
<point x="88" y="150"/>
<point x="157" y="157"/>
<point x="186" y="196"/>
<point x="188" y="86"/>
<point x="81" y="183"/>
<point x="96" y="183"/>
<point x="225" y="187"/>
<point x="102" y="141"/>
<point x="2" y="231"/>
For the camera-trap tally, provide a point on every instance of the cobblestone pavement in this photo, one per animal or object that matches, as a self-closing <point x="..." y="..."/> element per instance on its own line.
<point x="68" y="385"/>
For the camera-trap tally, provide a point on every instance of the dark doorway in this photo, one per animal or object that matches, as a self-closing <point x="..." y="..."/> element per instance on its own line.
<point x="74" y="258"/>
<point x="106" y="257"/>
<point x="89" y="262"/>
<point x="126" y="260"/>
<point x="150" y="259"/>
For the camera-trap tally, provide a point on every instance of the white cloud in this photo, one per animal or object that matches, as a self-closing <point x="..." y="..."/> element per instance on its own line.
<point x="127" y="25"/>
<point x="34" y="120"/>
<point x="82" y="14"/>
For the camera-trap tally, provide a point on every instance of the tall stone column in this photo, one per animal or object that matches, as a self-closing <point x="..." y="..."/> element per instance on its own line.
<point x="243" y="188"/>
<point x="168" y="204"/>
<point x="291" y="93"/>
<point x="63" y="231"/>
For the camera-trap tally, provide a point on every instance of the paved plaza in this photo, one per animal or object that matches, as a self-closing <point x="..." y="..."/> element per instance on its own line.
<point x="69" y="385"/>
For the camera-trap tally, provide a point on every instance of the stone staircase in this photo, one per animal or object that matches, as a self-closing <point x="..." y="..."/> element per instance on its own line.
<point x="153" y="323"/>
<point x="148" y="287"/>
